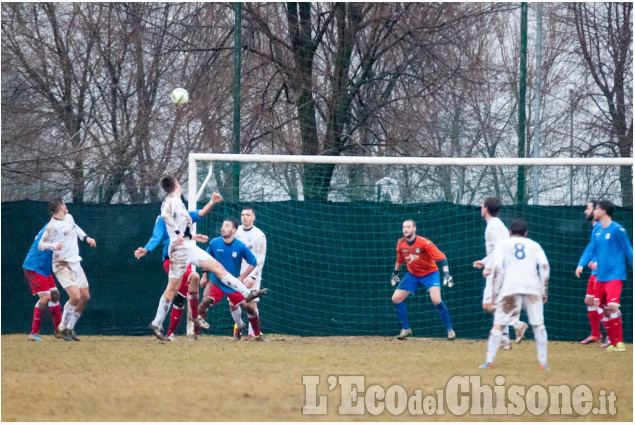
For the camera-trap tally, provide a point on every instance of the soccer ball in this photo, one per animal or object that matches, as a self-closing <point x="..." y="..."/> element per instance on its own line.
<point x="179" y="96"/>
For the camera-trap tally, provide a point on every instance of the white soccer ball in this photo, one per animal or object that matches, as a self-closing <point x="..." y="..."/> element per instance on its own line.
<point x="179" y="96"/>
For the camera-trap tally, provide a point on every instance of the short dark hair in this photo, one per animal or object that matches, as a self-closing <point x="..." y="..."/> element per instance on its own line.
<point x="233" y="221"/>
<point x="594" y="202"/>
<point x="168" y="183"/>
<point x="249" y="207"/>
<point x="518" y="227"/>
<point x="54" y="205"/>
<point x="607" y="206"/>
<point x="414" y="223"/>
<point x="493" y="204"/>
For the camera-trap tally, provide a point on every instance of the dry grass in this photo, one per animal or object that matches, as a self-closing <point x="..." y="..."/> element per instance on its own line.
<point x="140" y="379"/>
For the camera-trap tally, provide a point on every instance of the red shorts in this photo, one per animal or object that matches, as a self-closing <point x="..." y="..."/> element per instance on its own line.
<point x="591" y="287"/>
<point x="217" y="294"/>
<point x="186" y="276"/>
<point x="609" y="292"/>
<point x="39" y="283"/>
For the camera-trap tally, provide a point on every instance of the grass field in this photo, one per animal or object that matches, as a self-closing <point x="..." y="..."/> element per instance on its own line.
<point x="215" y="378"/>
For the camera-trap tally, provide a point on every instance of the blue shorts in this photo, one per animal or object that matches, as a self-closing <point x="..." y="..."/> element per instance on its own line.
<point x="412" y="283"/>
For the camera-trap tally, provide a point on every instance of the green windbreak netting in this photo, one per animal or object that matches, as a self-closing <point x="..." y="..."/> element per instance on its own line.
<point x="328" y="267"/>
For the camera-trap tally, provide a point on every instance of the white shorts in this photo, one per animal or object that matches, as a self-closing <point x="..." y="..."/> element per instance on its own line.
<point x="182" y="255"/>
<point x="488" y="291"/>
<point x="508" y="309"/>
<point x="70" y="273"/>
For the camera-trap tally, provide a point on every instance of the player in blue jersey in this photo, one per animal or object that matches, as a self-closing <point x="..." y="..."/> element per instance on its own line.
<point x="594" y="312"/>
<point x="609" y="245"/>
<point x="38" y="270"/>
<point x="230" y="252"/>
<point x="189" y="284"/>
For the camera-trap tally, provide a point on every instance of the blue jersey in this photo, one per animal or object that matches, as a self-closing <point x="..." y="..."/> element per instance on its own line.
<point x="586" y="257"/>
<point x="160" y="233"/>
<point x="39" y="261"/>
<point x="609" y="247"/>
<point x="230" y="256"/>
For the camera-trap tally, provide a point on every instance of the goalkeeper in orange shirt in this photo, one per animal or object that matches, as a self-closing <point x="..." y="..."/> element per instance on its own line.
<point x="420" y="255"/>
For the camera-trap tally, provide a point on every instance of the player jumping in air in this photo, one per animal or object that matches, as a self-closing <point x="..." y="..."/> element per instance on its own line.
<point x="188" y="291"/>
<point x="595" y="312"/>
<point x="60" y="237"/>
<point x="230" y="252"/>
<point x="521" y="278"/>
<point x="495" y="231"/>
<point x="609" y="246"/>
<point x="37" y="268"/>
<point x="183" y="252"/>
<point x="420" y="255"/>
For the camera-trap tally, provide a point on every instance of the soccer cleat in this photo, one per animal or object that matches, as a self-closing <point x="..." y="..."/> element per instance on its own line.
<point x="172" y="337"/>
<point x="238" y="332"/>
<point x="486" y="365"/>
<point x="66" y="334"/>
<point x="520" y="332"/>
<point x="544" y="367"/>
<point x="619" y="347"/>
<point x="255" y="294"/>
<point x="157" y="331"/>
<point x="192" y="337"/>
<point x="405" y="333"/>
<point x="250" y="338"/>
<point x="505" y="346"/>
<point x="73" y="335"/>
<point x="261" y="338"/>
<point x="606" y="343"/>
<point x="451" y="334"/>
<point x="201" y="322"/>
<point x="590" y="340"/>
<point x="35" y="337"/>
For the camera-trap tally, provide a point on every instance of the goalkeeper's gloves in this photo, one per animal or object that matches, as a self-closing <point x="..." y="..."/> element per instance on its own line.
<point x="395" y="278"/>
<point x="447" y="279"/>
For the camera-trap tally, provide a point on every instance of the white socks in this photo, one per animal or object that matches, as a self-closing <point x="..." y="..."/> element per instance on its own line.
<point x="69" y="311"/>
<point x="540" y="335"/>
<point x="493" y="342"/>
<point x="162" y="311"/>
<point x="235" y="284"/>
<point x="237" y="316"/>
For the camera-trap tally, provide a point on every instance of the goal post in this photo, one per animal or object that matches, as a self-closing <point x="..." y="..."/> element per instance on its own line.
<point x="329" y="263"/>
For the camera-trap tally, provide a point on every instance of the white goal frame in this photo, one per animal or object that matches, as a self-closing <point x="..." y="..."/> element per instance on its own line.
<point x="195" y="192"/>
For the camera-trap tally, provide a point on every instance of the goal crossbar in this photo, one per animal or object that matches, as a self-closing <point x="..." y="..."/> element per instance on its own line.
<point x="194" y="193"/>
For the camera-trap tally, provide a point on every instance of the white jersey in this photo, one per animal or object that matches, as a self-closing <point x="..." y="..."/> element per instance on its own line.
<point x="175" y="215"/>
<point x="520" y="267"/>
<point x="495" y="231"/>
<point x="256" y="241"/>
<point x="65" y="231"/>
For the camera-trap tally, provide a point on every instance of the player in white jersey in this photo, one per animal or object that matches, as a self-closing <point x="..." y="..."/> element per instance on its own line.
<point x="256" y="241"/>
<point x="495" y="232"/>
<point x="183" y="251"/>
<point x="60" y="237"/>
<point x="521" y="278"/>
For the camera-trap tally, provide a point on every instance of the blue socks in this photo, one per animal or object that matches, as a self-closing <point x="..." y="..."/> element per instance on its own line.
<point x="402" y="314"/>
<point x="444" y="314"/>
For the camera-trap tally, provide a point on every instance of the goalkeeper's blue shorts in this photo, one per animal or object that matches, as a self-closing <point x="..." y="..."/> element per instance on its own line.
<point x="412" y="283"/>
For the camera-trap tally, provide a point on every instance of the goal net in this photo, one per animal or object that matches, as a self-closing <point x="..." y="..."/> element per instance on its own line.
<point x="332" y="224"/>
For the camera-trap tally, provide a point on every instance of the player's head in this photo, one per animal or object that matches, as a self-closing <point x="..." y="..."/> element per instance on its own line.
<point x="229" y="227"/>
<point x="518" y="227"/>
<point x="603" y="207"/>
<point x="409" y="228"/>
<point x="590" y="206"/>
<point x="248" y="216"/>
<point x="169" y="184"/>
<point x="490" y="206"/>
<point x="56" y="205"/>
